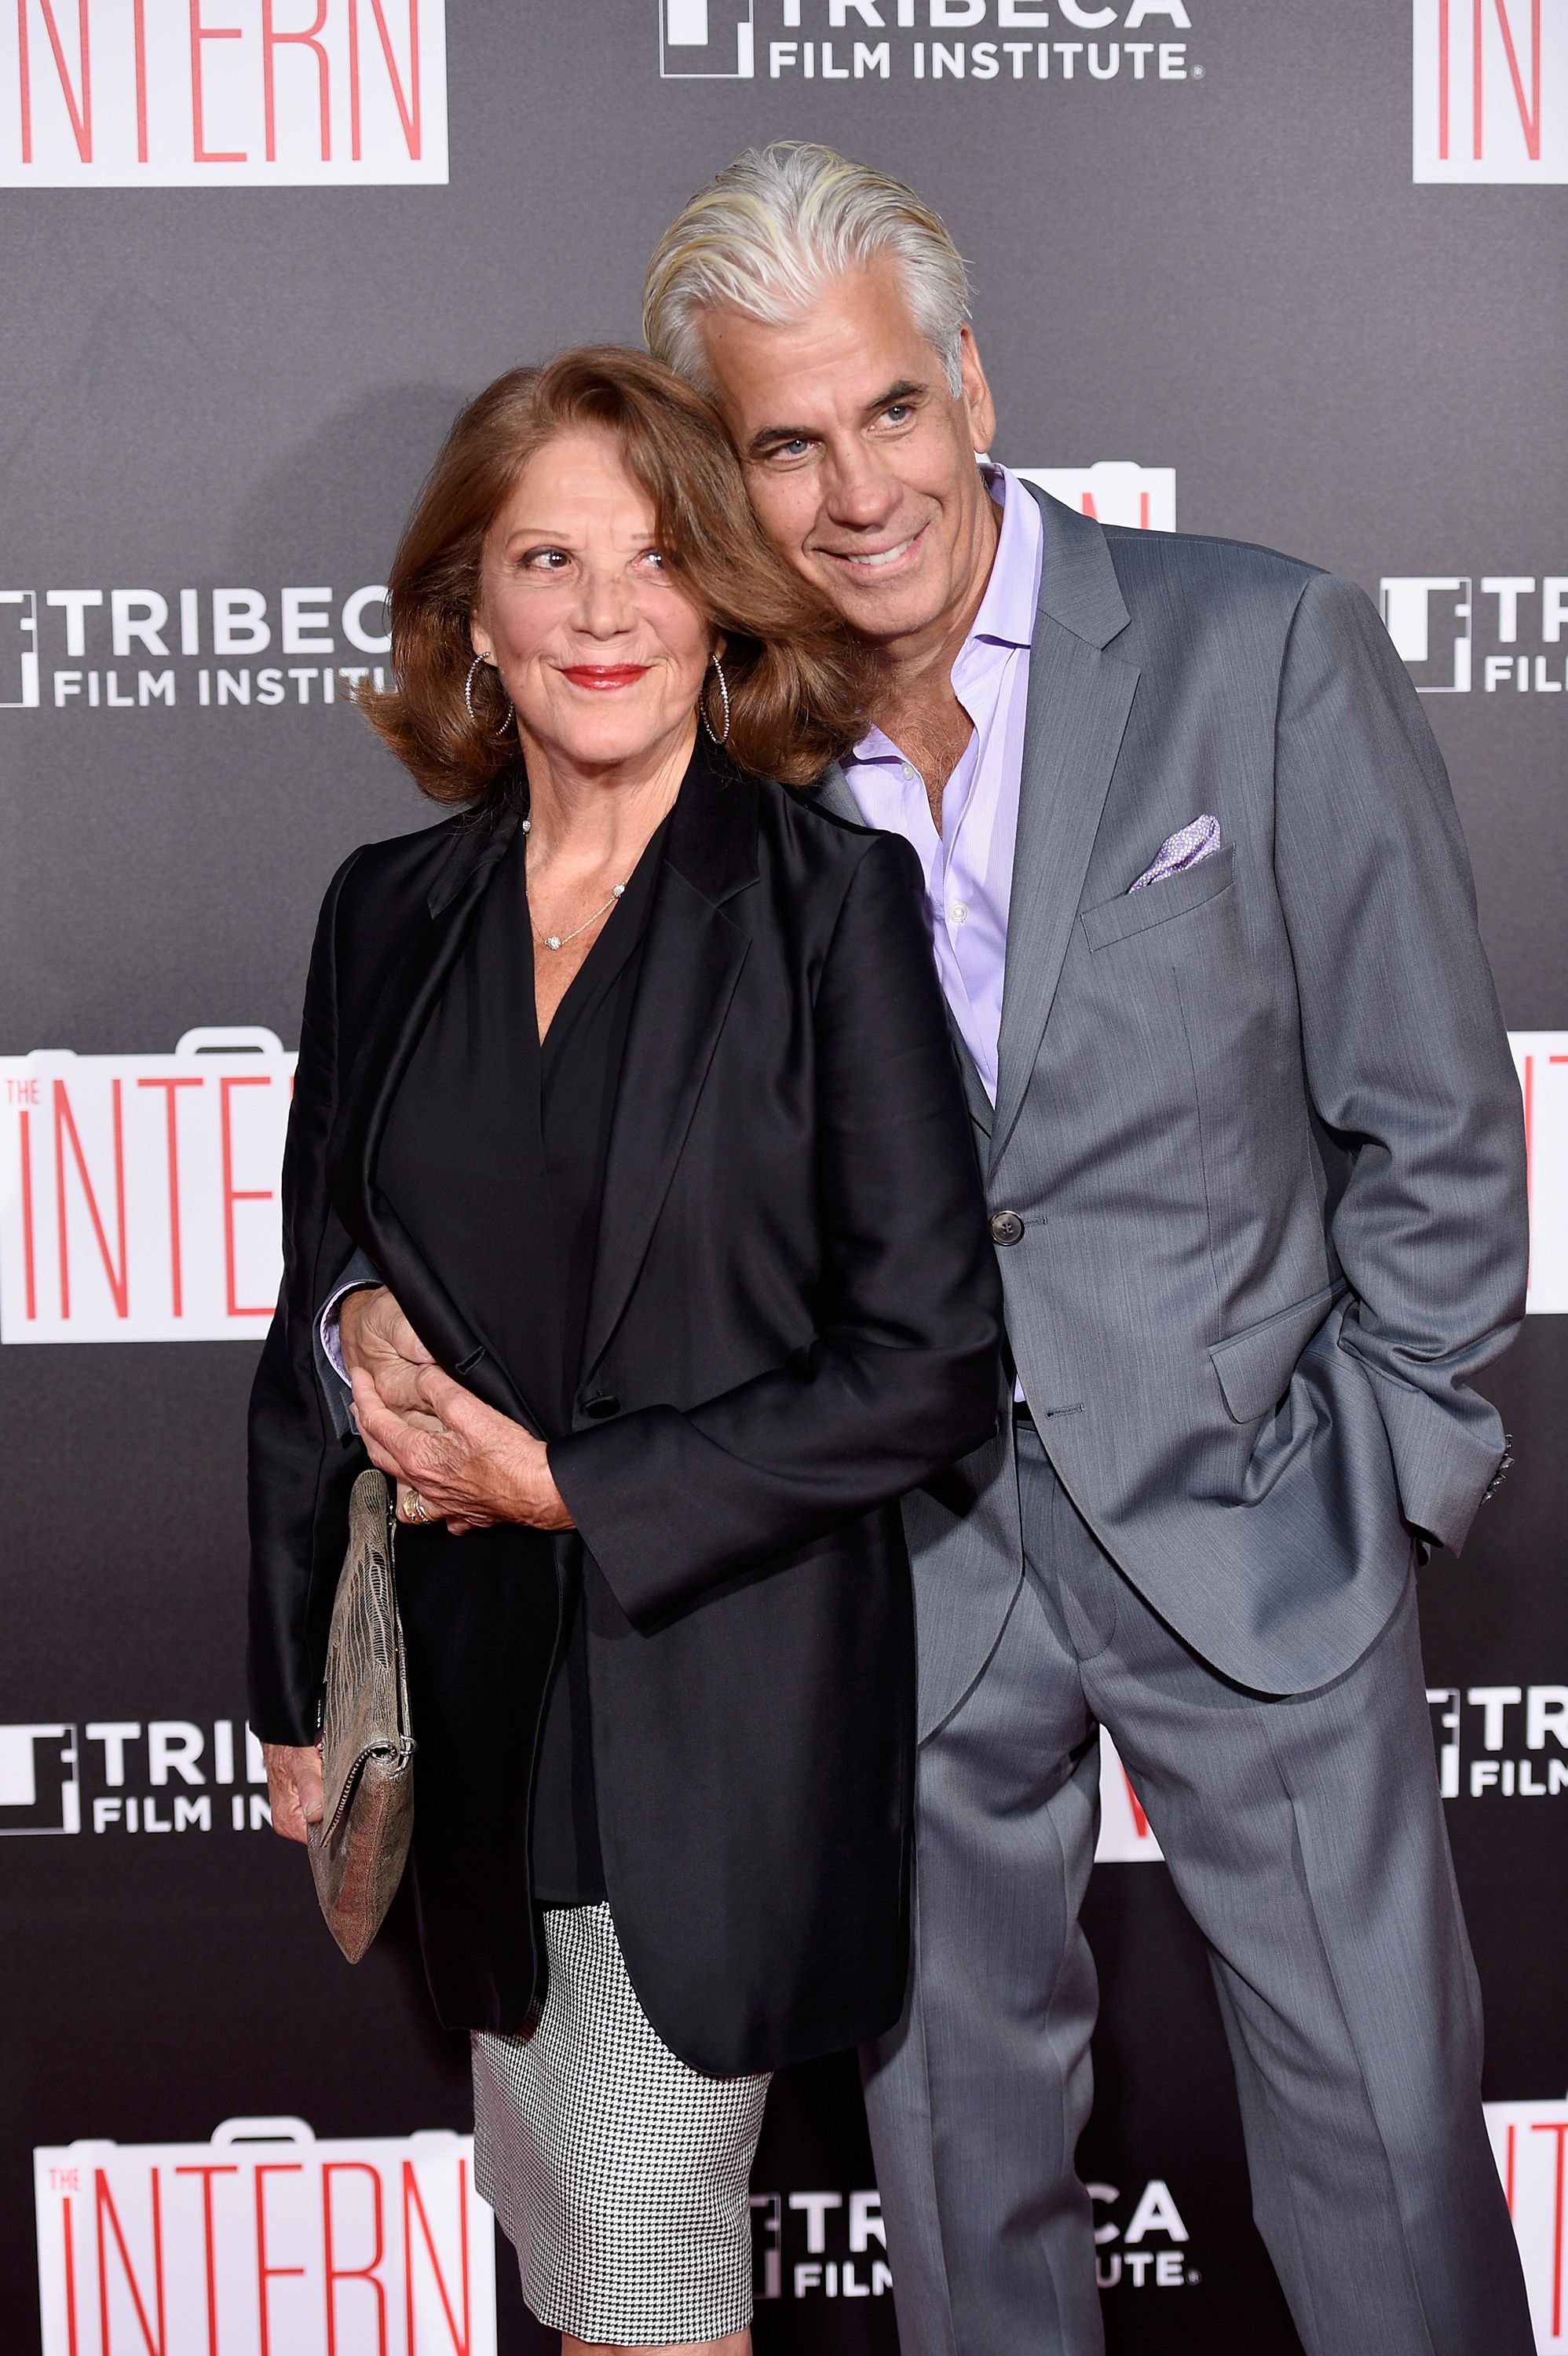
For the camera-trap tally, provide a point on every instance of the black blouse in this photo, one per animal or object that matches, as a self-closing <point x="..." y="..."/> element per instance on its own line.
<point x="494" y="1157"/>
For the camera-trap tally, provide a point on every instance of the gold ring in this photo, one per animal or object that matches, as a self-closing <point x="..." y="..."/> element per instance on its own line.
<point x="414" y="1508"/>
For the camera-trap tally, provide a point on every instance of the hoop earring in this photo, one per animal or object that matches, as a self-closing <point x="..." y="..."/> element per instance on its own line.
<point x="468" y="699"/>
<point x="724" y="697"/>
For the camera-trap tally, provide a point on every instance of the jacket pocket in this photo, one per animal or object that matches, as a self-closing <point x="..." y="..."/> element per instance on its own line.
<point x="1135" y="912"/>
<point x="1254" y="1367"/>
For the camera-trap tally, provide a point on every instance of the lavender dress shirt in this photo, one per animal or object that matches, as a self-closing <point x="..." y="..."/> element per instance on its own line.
<point x="968" y="866"/>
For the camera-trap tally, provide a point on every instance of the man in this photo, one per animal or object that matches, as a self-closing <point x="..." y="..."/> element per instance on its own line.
<point x="1252" y="1144"/>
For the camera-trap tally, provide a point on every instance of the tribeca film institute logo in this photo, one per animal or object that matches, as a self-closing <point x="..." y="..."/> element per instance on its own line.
<point x="1490" y="91"/>
<point x="145" y="651"/>
<point x="94" y="93"/>
<point x="923" y="40"/>
<point x="1432" y="617"/>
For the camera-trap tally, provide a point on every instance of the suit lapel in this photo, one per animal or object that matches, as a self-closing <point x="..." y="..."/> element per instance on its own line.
<point x="435" y="935"/>
<point x="833" y="796"/>
<point x="693" y="957"/>
<point x="1079" y="699"/>
<point x="436" y="932"/>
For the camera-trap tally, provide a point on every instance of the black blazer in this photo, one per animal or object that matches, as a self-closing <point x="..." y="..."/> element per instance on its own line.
<point x="795" y="1319"/>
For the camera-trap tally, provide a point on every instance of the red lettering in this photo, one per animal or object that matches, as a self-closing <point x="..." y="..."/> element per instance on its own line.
<point x="408" y="114"/>
<point x="65" y="1123"/>
<point x="411" y="2196"/>
<point x="72" y="2342"/>
<point x="199" y="33"/>
<point x="265" y="2272"/>
<point x="207" y="2171"/>
<point x="29" y="1266"/>
<point x="81" y="117"/>
<point x="336" y="2273"/>
<point x="172" y="1150"/>
<point x="271" y="41"/>
<point x="139" y="41"/>
<point x="232" y="1193"/>
<point x="1529" y="109"/>
<point x="1140" y="1822"/>
<point x="105" y="2205"/>
<point x="1559" y="2127"/>
<point x="1530" y="117"/>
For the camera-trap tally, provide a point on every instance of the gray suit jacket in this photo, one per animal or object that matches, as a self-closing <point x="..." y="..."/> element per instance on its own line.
<point x="1259" y="1120"/>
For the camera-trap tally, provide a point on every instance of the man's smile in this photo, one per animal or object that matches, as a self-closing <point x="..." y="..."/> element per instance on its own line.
<point x="876" y="559"/>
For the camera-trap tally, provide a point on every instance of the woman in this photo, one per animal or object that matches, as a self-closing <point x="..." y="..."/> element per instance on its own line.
<point x="634" y="1083"/>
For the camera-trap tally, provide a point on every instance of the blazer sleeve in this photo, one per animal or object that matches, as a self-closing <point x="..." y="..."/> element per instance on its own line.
<point x="1407" y="1060"/>
<point x="299" y="1458"/>
<point x="903" y="1374"/>
<point x="361" y="1273"/>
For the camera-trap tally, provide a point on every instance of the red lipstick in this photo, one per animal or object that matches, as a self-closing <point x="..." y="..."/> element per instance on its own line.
<point x="603" y="676"/>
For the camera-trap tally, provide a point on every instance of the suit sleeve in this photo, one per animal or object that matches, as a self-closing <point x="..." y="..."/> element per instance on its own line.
<point x="1407" y="1059"/>
<point x="359" y="1274"/>
<point x="299" y="1458"/>
<point x="901" y="1374"/>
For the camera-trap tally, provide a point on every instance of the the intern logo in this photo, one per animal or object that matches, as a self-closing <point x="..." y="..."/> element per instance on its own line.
<point x="1491" y="89"/>
<point x="706" y="41"/>
<point x="99" y="95"/>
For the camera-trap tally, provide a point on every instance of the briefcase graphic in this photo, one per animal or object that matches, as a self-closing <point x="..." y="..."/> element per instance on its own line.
<point x="265" y="2240"/>
<point x="139" y="1193"/>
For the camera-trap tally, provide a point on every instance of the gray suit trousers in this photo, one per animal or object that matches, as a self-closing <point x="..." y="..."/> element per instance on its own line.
<point x="1305" y="1835"/>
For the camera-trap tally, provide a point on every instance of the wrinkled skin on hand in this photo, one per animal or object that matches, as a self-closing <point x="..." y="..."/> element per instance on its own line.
<point x="294" y="1787"/>
<point x="470" y="1466"/>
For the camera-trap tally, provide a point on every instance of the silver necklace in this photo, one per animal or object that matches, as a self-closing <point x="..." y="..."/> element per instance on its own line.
<point x="560" y="940"/>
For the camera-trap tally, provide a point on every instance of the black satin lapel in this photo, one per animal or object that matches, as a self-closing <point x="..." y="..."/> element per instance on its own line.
<point x="435" y="936"/>
<point x="692" y="958"/>
<point x="1079" y="699"/>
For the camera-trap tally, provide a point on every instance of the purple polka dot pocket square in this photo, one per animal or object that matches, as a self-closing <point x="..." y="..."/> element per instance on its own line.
<point x="1190" y="844"/>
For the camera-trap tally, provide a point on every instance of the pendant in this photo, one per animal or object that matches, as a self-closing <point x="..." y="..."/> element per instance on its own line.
<point x="552" y="940"/>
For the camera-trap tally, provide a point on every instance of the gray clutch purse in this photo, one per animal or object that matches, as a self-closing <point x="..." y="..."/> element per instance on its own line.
<point x="358" y="1850"/>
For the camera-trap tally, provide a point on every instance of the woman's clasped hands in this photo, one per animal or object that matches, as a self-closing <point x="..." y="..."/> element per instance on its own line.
<point x="461" y="1461"/>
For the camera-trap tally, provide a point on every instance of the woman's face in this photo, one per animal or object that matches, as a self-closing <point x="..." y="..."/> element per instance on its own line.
<point x="597" y="641"/>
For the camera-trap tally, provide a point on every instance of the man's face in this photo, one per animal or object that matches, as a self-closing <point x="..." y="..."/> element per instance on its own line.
<point x="860" y="461"/>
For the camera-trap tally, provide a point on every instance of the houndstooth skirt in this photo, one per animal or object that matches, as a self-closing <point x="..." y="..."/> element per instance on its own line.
<point x="621" y="2175"/>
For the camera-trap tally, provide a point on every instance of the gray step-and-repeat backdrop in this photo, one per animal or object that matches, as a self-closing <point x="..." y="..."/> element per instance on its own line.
<point x="1291" y="273"/>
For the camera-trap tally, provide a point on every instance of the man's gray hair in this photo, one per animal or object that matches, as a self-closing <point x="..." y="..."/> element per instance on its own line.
<point x="773" y="228"/>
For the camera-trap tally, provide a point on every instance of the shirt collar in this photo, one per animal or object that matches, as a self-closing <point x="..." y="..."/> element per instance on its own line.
<point x="1007" y="613"/>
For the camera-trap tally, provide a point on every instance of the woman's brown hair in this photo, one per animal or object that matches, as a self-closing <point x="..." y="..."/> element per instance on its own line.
<point x="795" y="679"/>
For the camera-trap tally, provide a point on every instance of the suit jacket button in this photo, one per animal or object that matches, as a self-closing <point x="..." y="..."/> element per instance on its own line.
<point x="1006" y="1226"/>
<point x="600" y="1408"/>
